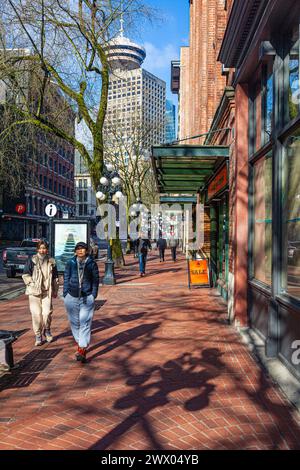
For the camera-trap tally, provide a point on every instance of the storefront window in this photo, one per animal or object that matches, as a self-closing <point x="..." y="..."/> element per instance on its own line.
<point x="294" y="83"/>
<point x="262" y="249"/>
<point x="291" y="215"/>
<point x="268" y="102"/>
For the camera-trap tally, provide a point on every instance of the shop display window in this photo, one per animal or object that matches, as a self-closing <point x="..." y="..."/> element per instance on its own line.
<point x="294" y="77"/>
<point x="291" y="216"/>
<point x="262" y="244"/>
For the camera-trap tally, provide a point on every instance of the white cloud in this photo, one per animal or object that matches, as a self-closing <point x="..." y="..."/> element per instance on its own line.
<point x="159" y="59"/>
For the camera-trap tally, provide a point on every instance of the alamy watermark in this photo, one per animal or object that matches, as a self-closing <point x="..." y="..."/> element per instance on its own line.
<point x="296" y="353"/>
<point x="180" y="221"/>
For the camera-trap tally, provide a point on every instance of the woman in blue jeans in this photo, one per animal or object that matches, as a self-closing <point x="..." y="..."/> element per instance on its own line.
<point x="81" y="282"/>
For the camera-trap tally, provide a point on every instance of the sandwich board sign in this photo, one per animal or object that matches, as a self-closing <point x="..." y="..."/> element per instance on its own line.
<point x="198" y="273"/>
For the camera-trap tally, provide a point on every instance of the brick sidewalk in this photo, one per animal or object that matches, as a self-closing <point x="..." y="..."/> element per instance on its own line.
<point x="165" y="372"/>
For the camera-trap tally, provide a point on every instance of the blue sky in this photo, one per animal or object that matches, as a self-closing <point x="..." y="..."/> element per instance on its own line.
<point x="163" y="39"/>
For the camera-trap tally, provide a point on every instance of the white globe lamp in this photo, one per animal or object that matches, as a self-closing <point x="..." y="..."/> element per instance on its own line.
<point x="116" y="180"/>
<point x="109" y="167"/>
<point x="104" y="181"/>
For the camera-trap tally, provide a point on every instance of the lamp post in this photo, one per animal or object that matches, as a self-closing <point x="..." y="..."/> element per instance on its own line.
<point x="110" y="185"/>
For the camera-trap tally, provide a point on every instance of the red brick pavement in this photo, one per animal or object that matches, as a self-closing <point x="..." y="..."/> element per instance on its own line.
<point x="165" y="371"/>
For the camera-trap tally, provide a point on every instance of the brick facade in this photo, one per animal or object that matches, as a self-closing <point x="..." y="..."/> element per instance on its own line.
<point x="202" y="86"/>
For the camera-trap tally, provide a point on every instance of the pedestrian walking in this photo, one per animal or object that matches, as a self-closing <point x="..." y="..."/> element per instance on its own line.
<point x="173" y="245"/>
<point x="161" y="245"/>
<point x="41" y="279"/>
<point x="143" y="245"/>
<point x="136" y="248"/>
<point x="81" y="283"/>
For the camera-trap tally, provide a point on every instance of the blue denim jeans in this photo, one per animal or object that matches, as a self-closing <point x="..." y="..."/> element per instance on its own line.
<point x="142" y="260"/>
<point x="80" y="312"/>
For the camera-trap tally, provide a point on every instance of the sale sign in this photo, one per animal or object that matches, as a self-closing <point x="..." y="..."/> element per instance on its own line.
<point x="198" y="271"/>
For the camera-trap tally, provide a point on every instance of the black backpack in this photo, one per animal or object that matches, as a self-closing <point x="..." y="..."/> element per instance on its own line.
<point x="144" y="247"/>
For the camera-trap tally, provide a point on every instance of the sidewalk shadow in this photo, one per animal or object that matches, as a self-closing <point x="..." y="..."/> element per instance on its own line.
<point x="128" y="278"/>
<point x="28" y="369"/>
<point x="99" y="304"/>
<point x="122" y="338"/>
<point x="174" y="375"/>
<point x="106" y="323"/>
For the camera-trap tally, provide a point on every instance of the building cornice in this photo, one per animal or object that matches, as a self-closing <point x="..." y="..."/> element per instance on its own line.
<point x="243" y="22"/>
<point x="226" y="101"/>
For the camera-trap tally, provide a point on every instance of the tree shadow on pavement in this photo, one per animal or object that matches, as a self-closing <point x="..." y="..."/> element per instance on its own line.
<point x="28" y="369"/>
<point x="105" y="324"/>
<point x="153" y="388"/>
<point x="122" y="338"/>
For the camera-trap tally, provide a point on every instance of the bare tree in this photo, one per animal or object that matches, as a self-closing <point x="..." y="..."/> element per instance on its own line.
<point x="128" y="149"/>
<point x="59" y="47"/>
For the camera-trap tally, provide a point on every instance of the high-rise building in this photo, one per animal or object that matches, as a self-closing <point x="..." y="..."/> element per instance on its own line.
<point x="136" y="100"/>
<point x="170" y="122"/>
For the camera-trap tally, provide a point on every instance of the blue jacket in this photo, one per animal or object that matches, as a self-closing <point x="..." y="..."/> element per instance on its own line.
<point x="90" y="283"/>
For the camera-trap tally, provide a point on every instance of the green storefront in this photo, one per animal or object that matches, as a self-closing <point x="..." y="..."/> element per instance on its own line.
<point x="192" y="169"/>
<point x="215" y="198"/>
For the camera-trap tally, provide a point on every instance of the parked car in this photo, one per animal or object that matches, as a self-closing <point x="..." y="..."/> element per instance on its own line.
<point x="14" y="259"/>
<point x="294" y="252"/>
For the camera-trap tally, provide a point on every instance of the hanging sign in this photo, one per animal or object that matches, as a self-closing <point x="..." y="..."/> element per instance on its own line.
<point x="198" y="273"/>
<point x="218" y="183"/>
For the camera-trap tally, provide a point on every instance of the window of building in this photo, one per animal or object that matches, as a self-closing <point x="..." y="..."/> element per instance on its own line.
<point x="262" y="243"/>
<point x="294" y="77"/>
<point x="267" y="100"/>
<point x="45" y="182"/>
<point x="291" y="216"/>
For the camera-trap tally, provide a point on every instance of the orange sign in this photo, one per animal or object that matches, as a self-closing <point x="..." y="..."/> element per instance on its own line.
<point x="218" y="183"/>
<point x="199" y="273"/>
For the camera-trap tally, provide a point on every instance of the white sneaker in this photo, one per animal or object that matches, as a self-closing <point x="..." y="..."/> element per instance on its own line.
<point x="48" y="336"/>
<point x="38" y="341"/>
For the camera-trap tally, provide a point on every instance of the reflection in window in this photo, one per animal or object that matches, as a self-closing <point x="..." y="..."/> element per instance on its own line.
<point x="294" y="88"/>
<point x="294" y="85"/>
<point x="291" y="215"/>
<point x="269" y="107"/>
<point x="262" y="249"/>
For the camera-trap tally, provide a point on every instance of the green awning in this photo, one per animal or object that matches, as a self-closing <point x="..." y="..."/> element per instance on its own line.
<point x="184" y="169"/>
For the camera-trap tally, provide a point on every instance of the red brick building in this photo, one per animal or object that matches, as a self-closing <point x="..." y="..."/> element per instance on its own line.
<point x="201" y="80"/>
<point x="241" y="73"/>
<point x="48" y="178"/>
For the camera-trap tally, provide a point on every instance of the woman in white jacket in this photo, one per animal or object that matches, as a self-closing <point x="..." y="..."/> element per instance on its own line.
<point x="41" y="280"/>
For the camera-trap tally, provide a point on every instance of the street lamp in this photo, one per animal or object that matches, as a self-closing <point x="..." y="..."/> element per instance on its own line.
<point x="110" y="185"/>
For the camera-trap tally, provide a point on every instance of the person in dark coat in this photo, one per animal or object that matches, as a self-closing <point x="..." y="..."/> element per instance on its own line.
<point x="173" y="245"/>
<point x="161" y="245"/>
<point x="81" y="283"/>
<point x="143" y="245"/>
